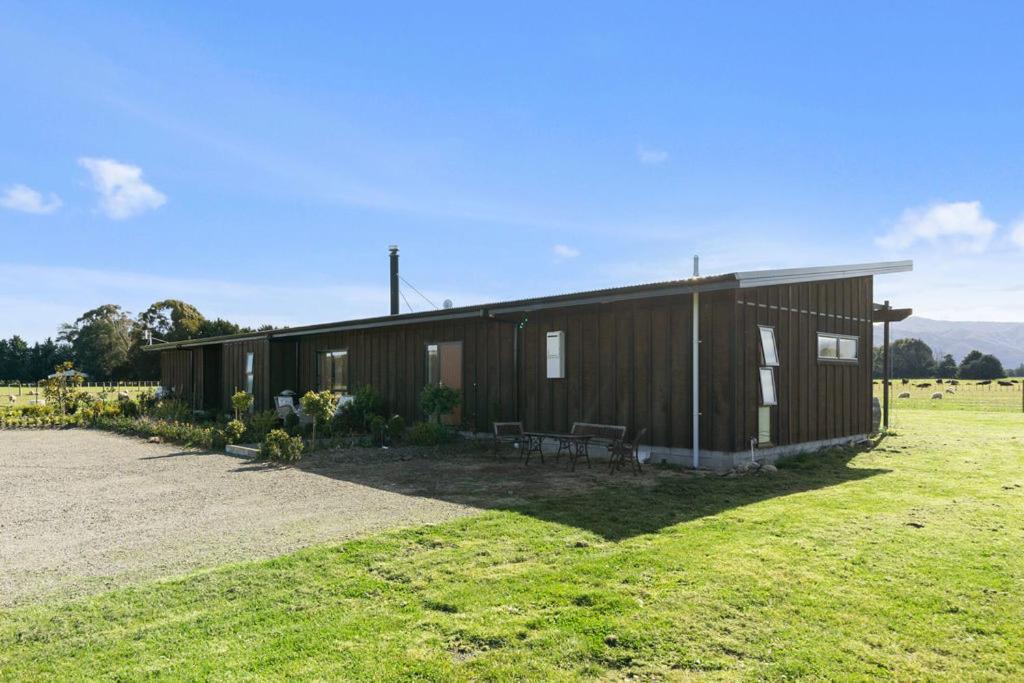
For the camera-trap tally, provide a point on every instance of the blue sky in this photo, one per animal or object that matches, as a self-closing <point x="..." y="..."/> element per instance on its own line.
<point x="257" y="160"/>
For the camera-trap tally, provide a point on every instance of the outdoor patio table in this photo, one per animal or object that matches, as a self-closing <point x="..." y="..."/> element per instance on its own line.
<point x="534" y="444"/>
<point x="575" y="445"/>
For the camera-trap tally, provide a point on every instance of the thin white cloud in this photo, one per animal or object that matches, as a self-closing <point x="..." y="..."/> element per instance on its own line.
<point x="123" y="193"/>
<point x="961" y="223"/>
<point x="563" y="251"/>
<point x="1017" y="233"/>
<point x="650" y="155"/>
<point x="24" y="198"/>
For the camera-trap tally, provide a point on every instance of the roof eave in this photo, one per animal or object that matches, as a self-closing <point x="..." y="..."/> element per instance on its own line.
<point x="786" y="276"/>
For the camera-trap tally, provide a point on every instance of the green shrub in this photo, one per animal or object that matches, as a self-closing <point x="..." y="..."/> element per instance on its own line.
<point x="396" y="427"/>
<point x="263" y="422"/>
<point x="172" y="410"/>
<point x="429" y="434"/>
<point x="35" y="410"/>
<point x="280" y="447"/>
<point x="356" y="415"/>
<point x="94" y="411"/>
<point x="242" y="402"/>
<point x="320" y="407"/>
<point x="234" y="431"/>
<point x="129" y="406"/>
<point x="378" y="429"/>
<point x="183" y="433"/>
<point x="437" y="400"/>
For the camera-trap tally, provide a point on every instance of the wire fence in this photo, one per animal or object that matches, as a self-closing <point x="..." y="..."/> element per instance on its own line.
<point x="20" y="393"/>
<point x="923" y="394"/>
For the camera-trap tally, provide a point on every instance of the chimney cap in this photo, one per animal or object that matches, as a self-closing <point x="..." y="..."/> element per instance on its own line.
<point x="393" y="248"/>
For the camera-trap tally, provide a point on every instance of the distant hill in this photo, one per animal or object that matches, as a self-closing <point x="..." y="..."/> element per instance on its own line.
<point x="1003" y="340"/>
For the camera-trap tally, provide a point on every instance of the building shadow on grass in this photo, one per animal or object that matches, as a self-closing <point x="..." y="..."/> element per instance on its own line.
<point x="614" y="506"/>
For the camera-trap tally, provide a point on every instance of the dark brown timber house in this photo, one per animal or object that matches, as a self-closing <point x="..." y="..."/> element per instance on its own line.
<point x="777" y="360"/>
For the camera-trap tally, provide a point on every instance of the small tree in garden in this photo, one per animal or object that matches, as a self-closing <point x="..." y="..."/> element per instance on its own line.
<point x="319" y="406"/>
<point x="61" y="389"/>
<point x="437" y="400"/>
<point x="242" y="401"/>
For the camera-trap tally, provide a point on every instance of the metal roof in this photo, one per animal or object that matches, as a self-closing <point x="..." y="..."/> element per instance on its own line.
<point x="738" y="280"/>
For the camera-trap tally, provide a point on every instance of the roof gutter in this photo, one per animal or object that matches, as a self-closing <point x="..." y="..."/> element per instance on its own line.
<point x="481" y="313"/>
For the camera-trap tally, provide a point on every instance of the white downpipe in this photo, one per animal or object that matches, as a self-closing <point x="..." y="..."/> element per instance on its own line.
<point x="696" y="379"/>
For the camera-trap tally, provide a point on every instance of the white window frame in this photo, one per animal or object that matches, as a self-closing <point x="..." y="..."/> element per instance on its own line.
<point x="329" y="356"/>
<point x="769" y="394"/>
<point x="250" y="374"/>
<point x="766" y="332"/>
<point x="837" y="340"/>
<point x="764" y="426"/>
<point x="434" y="350"/>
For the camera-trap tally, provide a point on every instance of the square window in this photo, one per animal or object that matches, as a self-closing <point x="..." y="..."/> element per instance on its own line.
<point x="333" y="370"/>
<point x="769" y="353"/>
<point x="768" y="387"/>
<point x="847" y="349"/>
<point x="828" y="346"/>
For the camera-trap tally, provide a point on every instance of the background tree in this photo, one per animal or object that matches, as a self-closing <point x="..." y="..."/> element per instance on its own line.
<point x="912" y="358"/>
<point x="978" y="365"/>
<point x="101" y="340"/>
<point x="14" y="356"/>
<point x="172" y="320"/>
<point x="946" y="368"/>
<point x="108" y="344"/>
<point x="877" y="362"/>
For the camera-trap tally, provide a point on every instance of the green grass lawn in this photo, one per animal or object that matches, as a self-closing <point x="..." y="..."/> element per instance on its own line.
<point x="903" y="561"/>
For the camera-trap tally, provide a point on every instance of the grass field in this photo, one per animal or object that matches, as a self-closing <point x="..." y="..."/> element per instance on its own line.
<point x="899" y="561"/>
<point x="26" y="394"/>
<point x="966" y="395"/>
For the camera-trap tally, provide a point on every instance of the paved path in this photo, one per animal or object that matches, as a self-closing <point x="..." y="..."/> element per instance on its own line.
<point x="83" y="511"/>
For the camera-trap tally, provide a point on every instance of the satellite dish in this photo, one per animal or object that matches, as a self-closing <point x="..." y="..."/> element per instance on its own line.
<point x="447" y="303"/>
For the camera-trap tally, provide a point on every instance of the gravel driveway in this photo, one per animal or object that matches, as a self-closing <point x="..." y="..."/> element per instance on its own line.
<point x="83" y="511"/>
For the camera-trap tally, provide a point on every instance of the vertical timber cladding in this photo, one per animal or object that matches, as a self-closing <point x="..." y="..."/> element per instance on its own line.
<point x="176" y="372"/>
<point x="816" y="400"/>
<point x="392" y="360"/>
<point x="233" y="371"/>
<point x="630" y="363"/>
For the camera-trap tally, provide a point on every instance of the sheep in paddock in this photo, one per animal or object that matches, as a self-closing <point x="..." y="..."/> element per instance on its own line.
<point x="954" y="382"/>
<point x="11" y="398"/>
<point x="950" y="391"/>
<point x="984" y="382"/>
<point x="938" y="381"/>
<point x="905" y="381"/>
<point x="937" y="394"/>
<point x="1004" y="383"/>
<point x="904" y="394"/>
<point x="923" y="385"/>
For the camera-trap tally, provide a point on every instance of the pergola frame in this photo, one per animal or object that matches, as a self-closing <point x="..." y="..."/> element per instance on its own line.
<point x="886" y="314"/>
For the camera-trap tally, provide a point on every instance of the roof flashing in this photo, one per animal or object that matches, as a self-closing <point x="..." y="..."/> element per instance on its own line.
<point x="703" y="283"/>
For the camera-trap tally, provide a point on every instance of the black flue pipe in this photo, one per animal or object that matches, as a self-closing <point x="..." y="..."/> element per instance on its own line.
<point x="393" y="251"/>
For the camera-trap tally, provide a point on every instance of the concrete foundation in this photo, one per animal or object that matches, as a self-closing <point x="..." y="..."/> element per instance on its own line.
<point x="720" y="461"/>
<point x="716" y="461"/>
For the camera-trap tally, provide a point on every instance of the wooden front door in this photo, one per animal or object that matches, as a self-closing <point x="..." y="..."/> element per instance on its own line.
<point x="450" y="361"/>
